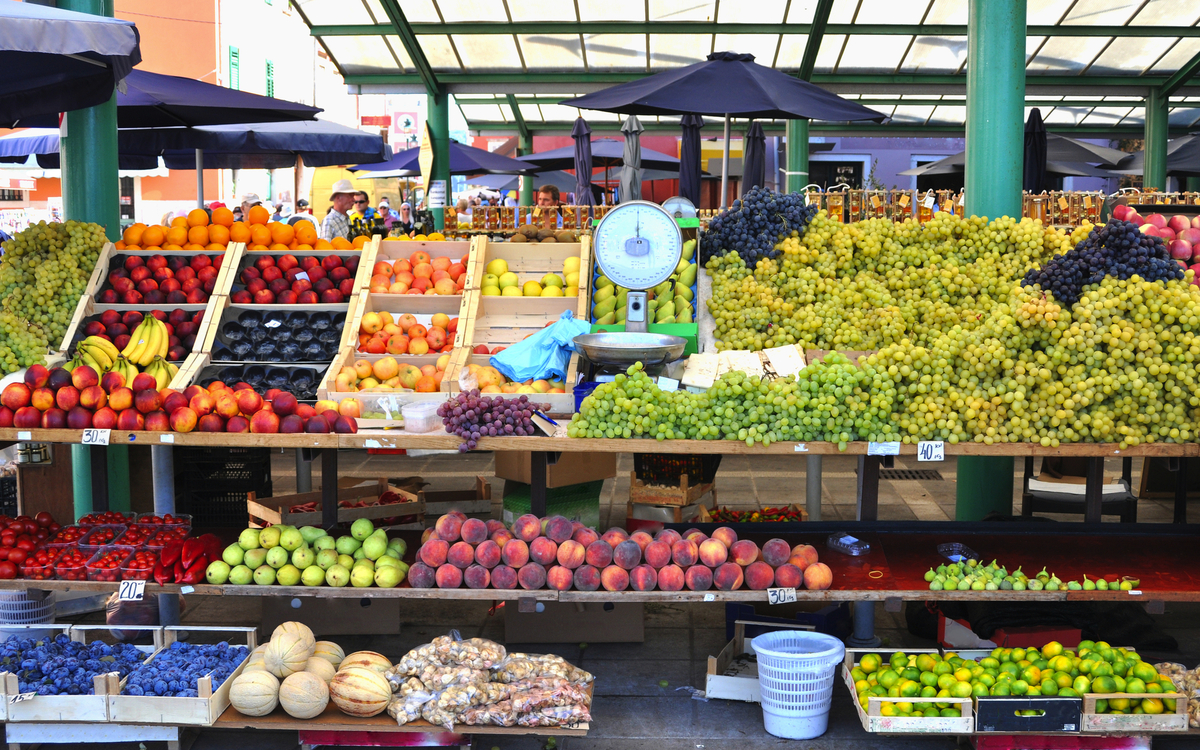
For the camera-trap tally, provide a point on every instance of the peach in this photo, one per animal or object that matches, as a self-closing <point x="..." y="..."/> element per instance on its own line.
<point x="743" y="552"/>
<point x="502" y="537"/>
<point x="713" y="553"/>
<point x="696" y="535"/>
<point x="248" y="401"/>
<point x="557" y="529"/>
<point x="487" y="554"/>
<point x="503" y="577"/>
<point x="427" y="534"/>
<point x="559" y="578"/>
<point x="803" y="553"/>
<point x="728" y="577"/>
<point x="92" y="397"/>
<point x="265" y="422"/>
<point x="515" y="554"/>
<point x="614" y="578"/>
<point x="670" y="578"/>
<point x="421" y="576"/>
<point x="183" y="419"/>
<point x="643" y="578"/>
<point x="685" y="553"/>
<point x="657" y="554"/>
<point x="725" y="535"/>
<point x="531" y="576"/>
<point x="614" y="536"/>
<point x="759" y="576"/>
<point x="585" y="536"/>
<point x="448" y="577"/>
<point x="776" y="552"/>
<point x="599" y="554"/>
<point x="461" y="555"/>
<point x="788" y="576"/>
<point x="494" y="525"/>
<point x="132" y="419"/>
<point x="670" y="536"/>
<point x="527" y="528"/>
<point x="434" y="552"/>
<point x="203" y="403"/>
<point x="449" y="527"/>
<point x="477" y="577"/>
<point x="627" y="554"/>
<point x="473" y="531"/>
<point x="587" y="578"/>
<point x="818" y="577"/>
<point x="571" y="554"/>
<point x="698" y="578"/>
<point x="543" y="550"/>
<point x="641" y="538"/>
<point x="119" y="400"/>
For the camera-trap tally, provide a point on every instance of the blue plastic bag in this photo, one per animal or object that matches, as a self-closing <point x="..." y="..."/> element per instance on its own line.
<point x="545" y="354"/>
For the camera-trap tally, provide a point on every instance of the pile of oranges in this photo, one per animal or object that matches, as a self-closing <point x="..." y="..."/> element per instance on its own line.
<point x="197" y="233"/>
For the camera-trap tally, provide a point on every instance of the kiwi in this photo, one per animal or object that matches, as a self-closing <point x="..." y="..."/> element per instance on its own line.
<point x="566" y="236"/>
<point x="518" y="237"/>
<point x="549" y="239"/>
<point x="529" y="230"/>
<point x="544" y="233"/>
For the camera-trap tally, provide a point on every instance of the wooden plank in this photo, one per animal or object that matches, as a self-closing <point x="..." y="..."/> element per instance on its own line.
<point x="276" y="510"/>
<point x="333" y="720"/>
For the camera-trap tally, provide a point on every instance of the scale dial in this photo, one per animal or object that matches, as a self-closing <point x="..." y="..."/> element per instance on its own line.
<point x="680" y="207"/>
<point x="637" y="245"/>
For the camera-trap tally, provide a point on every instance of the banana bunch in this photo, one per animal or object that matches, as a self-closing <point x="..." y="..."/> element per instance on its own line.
<point x="149" y="340"/>
<point x="163" y="372"/>
<point x="98" y="352"/>
<point x="128" y="370"/>
<point x="669" y="302"/>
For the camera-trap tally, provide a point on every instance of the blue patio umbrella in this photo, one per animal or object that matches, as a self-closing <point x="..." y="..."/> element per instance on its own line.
<point x="59" y="60"/>
<point x="583" y="162"/>
<point x="268" y="145"/>
<point x="754" y="157"/>
<point x="43" y="144"/>
<point x="689" y="158"/>
<point x="606" y="152"/>
<point x="463" y="160"/>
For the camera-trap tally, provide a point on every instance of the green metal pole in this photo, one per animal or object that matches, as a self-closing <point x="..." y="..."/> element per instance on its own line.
<point x="797" y="155"/>
<point x="118" y="477"/>
<point x="1193" y="185"/>
<point x="1155" y="174"/>
<point x="524" y="148"/>
<point x="995" y="158"/>
<point x="81" y="480"/>
<point x="439" y="132"/>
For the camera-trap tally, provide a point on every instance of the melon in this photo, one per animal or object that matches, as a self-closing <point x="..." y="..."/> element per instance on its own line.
<point x="304" y="695"/>
<point x="360" y="692"/>
<point x="330" y="652"/>
<point x="321" y="668"/>
<point x="286" y="654"/>
<point x="256" y="661"/>
<point x="372" y="660"/>
<point x="254" y="693"/>
<point x="295" y="628"/>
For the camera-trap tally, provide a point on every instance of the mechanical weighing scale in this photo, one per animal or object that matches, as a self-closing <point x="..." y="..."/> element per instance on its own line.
<point x="638" y="246"/>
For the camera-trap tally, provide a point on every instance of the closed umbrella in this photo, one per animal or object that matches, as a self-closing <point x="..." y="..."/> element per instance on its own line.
<point x="583" y="162"/>
<point x="754" y="158"/>
<point x="631" y="171"/>
<point x="1183" y="158"/>
<point x="689" y="158"/>
<point x="1035" y="153"/>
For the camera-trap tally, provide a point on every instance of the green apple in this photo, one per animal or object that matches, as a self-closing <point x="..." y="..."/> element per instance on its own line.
<point x="303" y="558"/>
<point x="291" y="539"/>
<point x="264" y="575"/>
<point x="233" y="555"/>
<point x="311" y="533"/>
<point x="497" y="267"/>
<point x="388" y="577"/>
<point x="269" y="537"/>
<point x="277" y="557"/>
<point x="362" y="576"/>
<point x="346" y="561"/>
<point x="326" y="559"/>
<point x="240" y="575"/>
<point x="552" y="279"/>
<point x="217" y="572"/>
<point x="254" y="558"/>
<point x="337" y="576"/>
<point x="312" y="576"/>
<point x="324" y="542"/>
<point x="288" y="575"/>
<point x="490" y="279"/>
<point x="248" y="539"/>
<point x="347" y="544"/>
<point x="507" y="279"/>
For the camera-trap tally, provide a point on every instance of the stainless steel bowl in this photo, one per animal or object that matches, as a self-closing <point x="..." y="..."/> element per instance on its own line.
<point x="620" y="348"/>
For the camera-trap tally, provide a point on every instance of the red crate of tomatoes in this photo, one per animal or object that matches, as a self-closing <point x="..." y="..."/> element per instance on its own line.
<point x="165" y="536"/>
<point x="152" y="519"/>
<point x="135" y="536"/>
<point x="40" y="563"/>
<point x="107" y="518"/>
<point x="98" y="536"/>
<point x="139" y="566"/>
<point x="71" y="565"/>
<point x="106" y="564"/>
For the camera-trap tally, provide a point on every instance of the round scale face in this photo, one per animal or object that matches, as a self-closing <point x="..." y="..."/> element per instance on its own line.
<point x="637" y="245"/>
<point x="680" y="207"/>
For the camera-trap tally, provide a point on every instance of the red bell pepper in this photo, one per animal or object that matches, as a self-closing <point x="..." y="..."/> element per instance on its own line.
<point x="192" y="548"/>
<point x="162" y="574"/>
<point x="212" y="546"/>
<point x="195" y="574"/>
<point x="171" y="553"/>
<point x="179" y="570"/>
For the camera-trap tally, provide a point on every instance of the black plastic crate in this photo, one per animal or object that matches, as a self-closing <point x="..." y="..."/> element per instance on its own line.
<point x="211" y="484"/>
<point x="666" y="469"/>
<point x="8" y="496"/>
<point x="224" y="464"/>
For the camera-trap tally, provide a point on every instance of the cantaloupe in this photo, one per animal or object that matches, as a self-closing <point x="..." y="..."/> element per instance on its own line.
<point x="304" y="695"/>
<point x="372" y="660"/>
<point x="360" y="692"/>
<point x="286" y="654"/>
<point x="254" y="693"/>
<point x="295" y="628"/>
<point x="320" y="667"/>
<point x="330" y="652"/>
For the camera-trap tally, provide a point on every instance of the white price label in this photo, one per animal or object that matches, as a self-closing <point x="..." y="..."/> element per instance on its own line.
<point x="780" y="596"/>
<point x="20" y="697"/>
<point x="302" y="275"/>
<point x="93" y="436"/>
<point x="1135" y="592"/>
<point x="131" y="591"/>
<point x="186" y="589"/>
<point x="930" y="201"/>
<point x="801" y="448"/>
<point x="24" y="436"/>
<point x="666" y="384"/>
<point x="166" y="438"/>
<point x="931" y="450"/>
<point x="883" y="449"/>
<point x="710" y="597"/>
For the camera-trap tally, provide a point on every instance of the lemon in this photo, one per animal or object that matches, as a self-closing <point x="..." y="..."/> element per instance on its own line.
<point x="888" y="678"/>
<point x="869" y="662"/>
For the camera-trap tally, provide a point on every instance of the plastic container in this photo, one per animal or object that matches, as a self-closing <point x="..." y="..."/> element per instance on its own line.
<point x="168" y="520"/>
<point x="110" y="518"/>
<point x="162" y="537"/>
<point x="136" y="536"/>
<point x="99" y="536"/>
<point x="847" y="544"/>
<point x="70" y="534"/>
<point x="72" y="565"/>
<point x="18" y="608"/>
<point x="117" y="554"/>
<point x="43" y="570"/>
<point x="955" y="552"/>
<point x="796" y="670"/>
<point x="138" y="574"/>
<point x="421" y="416"/>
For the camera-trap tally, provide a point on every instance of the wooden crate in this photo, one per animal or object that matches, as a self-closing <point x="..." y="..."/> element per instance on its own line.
<point x="89" y="307"/>
<point x="874" y="721"/>
<point x="382" y="404"/>
<point x="365" y="261"/>
<point x="200" y="711"/>
<point x="277" y="510"/>
<point x="188" y="371"/>
<point x="1097" y="723"/>
<point x="225" y="311"/>
<point x="476" y="501"/>
<point x="423" y="306"/>
<point x="676" y="512"/>
<point x="683" y="494"/>
<point x="200" y="367"/>
<point x="233" y="253"/>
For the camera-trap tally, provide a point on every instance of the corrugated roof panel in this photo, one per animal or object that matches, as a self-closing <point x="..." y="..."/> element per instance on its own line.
<point x="611" y="10"/>
<point x="802" y="11"/>
<point x="890" y="11"/>
<point x="1177" y="57"/>
<point x="1131" y="55"/>
<point x="323" y="12"/>
<point x="909" y="115"/>
<point x="673" y="10"/>
<point x="1066" y="54"/>
<point x="487" y="51"/>
<point x="762" y="46"/>
<point x="361" y="55"/>
<point x="438" y="51"/>
<point x="485" y="113"/>
<point x="935" y="54"/>
<point x="947" y="11"/>
<point x="1065" y="115"/>
<point x="1101" y="13"/>
<point x="791" y="51"/>
<point x="457" y="11"/>
<point x="873" y="54"/>
<point x="674" y="50"/>
<point x="541" y="11"/>
<point x="760" y="11"/>
<point x="615" y="51"/>
<point x="1167" y="13"/>
<point x="552" y="51"/>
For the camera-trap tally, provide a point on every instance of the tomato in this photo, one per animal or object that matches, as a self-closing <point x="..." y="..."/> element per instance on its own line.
<point x="42" y="534"/>
<point x="7" y="570"/>
<point x="25" y="543"/>
<point x="8" y="540"/>
<point x="44" y="519"/>
<point x="17" y="555"/>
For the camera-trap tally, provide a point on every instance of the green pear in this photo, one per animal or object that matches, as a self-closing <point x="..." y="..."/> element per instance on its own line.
<point x="689" y="248"/>
<point x="359" y="554"/>
<point x="388" y="577"/>
<point x="312" y="576"/>
<point x="604" y="308"/>
<point x="687" y="277"/>
<point x="303" y="558"/>
<point x="264" y="575"/>
<point x="346" y="561"/>
<point x="324" y="542"/>
<point x="311" y="533"/>
<point x="233" y="555"/>
<point x="347" y="544"/>
<point x="603" y="293"/>
<point x="241" y="575"/>
<point x="326" y="559"/>
<point x="684" y="317"/>
<point x="400" y="546"/>
<point x="662" y="289"/>
<point x="248" y="539"/>
<point x="217" y="572"/>
<point x="288" y="575"/>
<point x="291" y="539"/>
<point x="269" y="537"/>
<point x="337" y="576"/>
<point x="374" y="547"/>
<point x="277" y="557"/>
<point x="603" y="281"/>
<point x="362" y="528"/>
<point x="606" y="320"/>
<point x="665" y="310"/>
<point x="683" y="291"/>
<point x="362" y="576"/>
<point x="387" y="561"/>
<point x="682" y="266"/>
<point x="254" y="558"/>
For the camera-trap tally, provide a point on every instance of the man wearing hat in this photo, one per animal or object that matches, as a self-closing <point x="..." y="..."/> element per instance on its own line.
<point x="249" y="201"/>
<point x="337" y="221"/>
<point x="302" y="213"/>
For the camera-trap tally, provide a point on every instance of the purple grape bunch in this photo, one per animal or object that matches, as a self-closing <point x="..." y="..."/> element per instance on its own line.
<point x="472" y="416"/>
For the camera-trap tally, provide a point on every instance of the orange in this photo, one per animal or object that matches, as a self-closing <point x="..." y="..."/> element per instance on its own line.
<point x="304" y="247"/>
<point x="177" y="235"/>
<point x="219" y="234"/>
<point x="239" y="232"/>
<point x="281" y="233"/>
<point x="360" y="240"/>
<point x="215" y="247"/>
<point x="222" y="216"/>
<point x="179" y="221"/>
<point x="197" y="217"/>
<point x="172" y="248"/>
<point x="306" y="233"/>
<point x="152" y="249"/>
<point x="260" y="235"/>
<point x="120" y="245"/>
<point x="293" y="245"/>
<point x="153" y="236"/>
<point x="341" y="243"/>
<point x="193" y="248"/>
<point x="323" y="245"/>
<point x="132" y="247"/>
<point x="133" y="235"/>
<point x="259" y="248"/>
<point x="259" y="215"/>
<point x="198" y="234"/>
<point x="278" y="248"/>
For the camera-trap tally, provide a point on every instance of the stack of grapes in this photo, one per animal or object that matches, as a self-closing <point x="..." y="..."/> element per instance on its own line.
<point x="472" y="416"/>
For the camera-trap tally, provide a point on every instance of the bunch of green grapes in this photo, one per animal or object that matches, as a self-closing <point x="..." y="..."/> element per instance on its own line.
<point x="21" y="344"/>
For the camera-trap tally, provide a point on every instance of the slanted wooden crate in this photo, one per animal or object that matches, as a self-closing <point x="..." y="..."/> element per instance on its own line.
<point x="681" y="495"/>
<point x="873" y="719"/>
<point x="89" y="307"/>
<point x="233" y="253"/>
<point x="381" y="407"/>
<point x="473" y="501"/>
<point x="1168" y="721"/>
<point x="422" y="306"/>
<point x="225" y="311"/>
<point x="277" y="510"/>
<point x="200" y="711"/>
<point x="362" y="274"/>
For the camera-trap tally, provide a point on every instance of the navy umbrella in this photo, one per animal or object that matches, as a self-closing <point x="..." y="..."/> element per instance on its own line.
<point x="1034" y="180"/>
<point x="583" y="162"/>
<point x="58" y="60"/>
<point x="43" y="145"/>
<point x="606" y="152"/>
<point x="463" y="160"/>
<point x="268" y="145"/>
<point x="1183" y="158"/>
<point x="746" y="89"/>
<point x="689" y="158"/>
<point x="754" y="157"/>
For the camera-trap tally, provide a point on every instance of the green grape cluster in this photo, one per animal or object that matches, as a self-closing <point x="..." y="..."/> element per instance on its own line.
<point x="43" y="273"/>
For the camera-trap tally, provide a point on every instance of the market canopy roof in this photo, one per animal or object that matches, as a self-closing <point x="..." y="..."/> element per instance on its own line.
<point x="1090" y="63"/>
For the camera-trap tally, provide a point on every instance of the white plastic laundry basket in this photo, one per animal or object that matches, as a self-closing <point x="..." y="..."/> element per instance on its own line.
<point x="18" y="608"/>
<point x="795" y="676"/>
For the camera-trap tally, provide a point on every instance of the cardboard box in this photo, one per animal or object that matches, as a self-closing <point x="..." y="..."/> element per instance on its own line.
<point x="576" y="502"/>
<point x="332" y="617"/>
<point x="576" y="622"/>
<point x="1036" y="637"/>
<point x="733" y="673"/>
<point x="572" y="468"/>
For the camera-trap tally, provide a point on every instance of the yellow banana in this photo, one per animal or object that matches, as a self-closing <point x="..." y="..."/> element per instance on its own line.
<point x="161" y="376"/>
<point x="161" y="340"/>
<point x="172" y="370"/>
<point x="98" y="354"/>
<point x="104" y="345"/>
<point x="91" y="362"/>
<point x="139" y="355"/>
<point x="135" y="339"/>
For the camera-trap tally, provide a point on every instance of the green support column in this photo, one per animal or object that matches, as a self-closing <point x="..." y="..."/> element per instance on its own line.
<point x="524" y="148"/>
<point x="995" y="156"/>
<point x="439" y="132"/>
<point x="1193" y="185"/>
<point x="1155" y="174"/>
<point x="797" y="155"/>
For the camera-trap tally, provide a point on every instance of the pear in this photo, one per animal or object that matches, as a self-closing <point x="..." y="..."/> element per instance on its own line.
<point x="248" y="539"/>
<point x="277" y="557"/>
<point x="324" y="543"/>
<point x="233" y="555"/>
<point x="683" y="291"/>
<point x="264" y="575"/>
<point x="362" y="528"/>
<point x="311" y="533"/>
<point x="606" y="320"/>
<point x="254" y="558"/>
<point x="683" y="264"/>
<point x="603" y="281"/>
<point x="217" y="572"/>
<point x="361" y="576"/>
<point x="603" y="293"/>
<point x="326" y="559"/>
<point x="269" y="537"/>
<point x="337" y="576"/>
<point x="604" y="307"/>
<point x="374" y="546"/>
<point x="347" y="544"/>
<point x="240" y="575"/>
<point x="303" y="558"/>
<point x="388" y="578"/>
<point x="313" y="575"/>
<point x="689" y="248"/>
<point x="291" y="539"/>
<point x="687" y="277"/>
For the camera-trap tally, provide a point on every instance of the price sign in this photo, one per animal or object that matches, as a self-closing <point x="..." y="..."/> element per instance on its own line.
<point x="186" y="589"/>
<point x="166" y="438"/>
<point x="667" y="384"/>
<point x="20" y="697"/>
<point x="131" y="591"/>
<point x="710" y="597"/>
<point x="24" y="436"/>
<point x="931" y="450"/>
<point x="780" y="596"/>
<point x="930" y="201"/>
<point x="801" y="448"/>
<point x="883" y="449"/>
<point x="92" y="436"/>
<point x="303" y="275"/>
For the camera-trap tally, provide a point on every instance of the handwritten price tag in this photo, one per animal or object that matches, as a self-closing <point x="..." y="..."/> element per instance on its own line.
<point x="883" y="449"/>
<point x="931" y="450"/>
<point x="780" y="596"/>
<point x="131" y="591"/>
<point x="92" y="436"/>
<point x="20" y="697"/>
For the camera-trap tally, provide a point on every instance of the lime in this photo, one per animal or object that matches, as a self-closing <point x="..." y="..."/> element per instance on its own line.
<point x="979" y="689"/>
<point x="928" y="691"/>
<point x="869" y="663"/>
<point x="926" y="662"/>
<point x="1144" y="672"/>
<point x="951" y="713"/>
<point x="1052" y="649"/>
<point x="1062" y="679"/>
<point x="909" y="688"/>
<point x="1020" y="687"/>
<point x="943" y="667"/>
<point x="1067" y="693"/>
<point x="1104" y="684"/>
<point x="1082" y="685"/>
<point x="946" y="681"/>
<point x="1119" y="704"/>
<point x="887" y="678"/>
<point x="928" y="678"/>
<point x="911" y="673"/>
<point x="1001" y="688"/>
<point x="931" y="713"/>
<point x="1049" y="687"/>
<point x="961" y="690"/>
